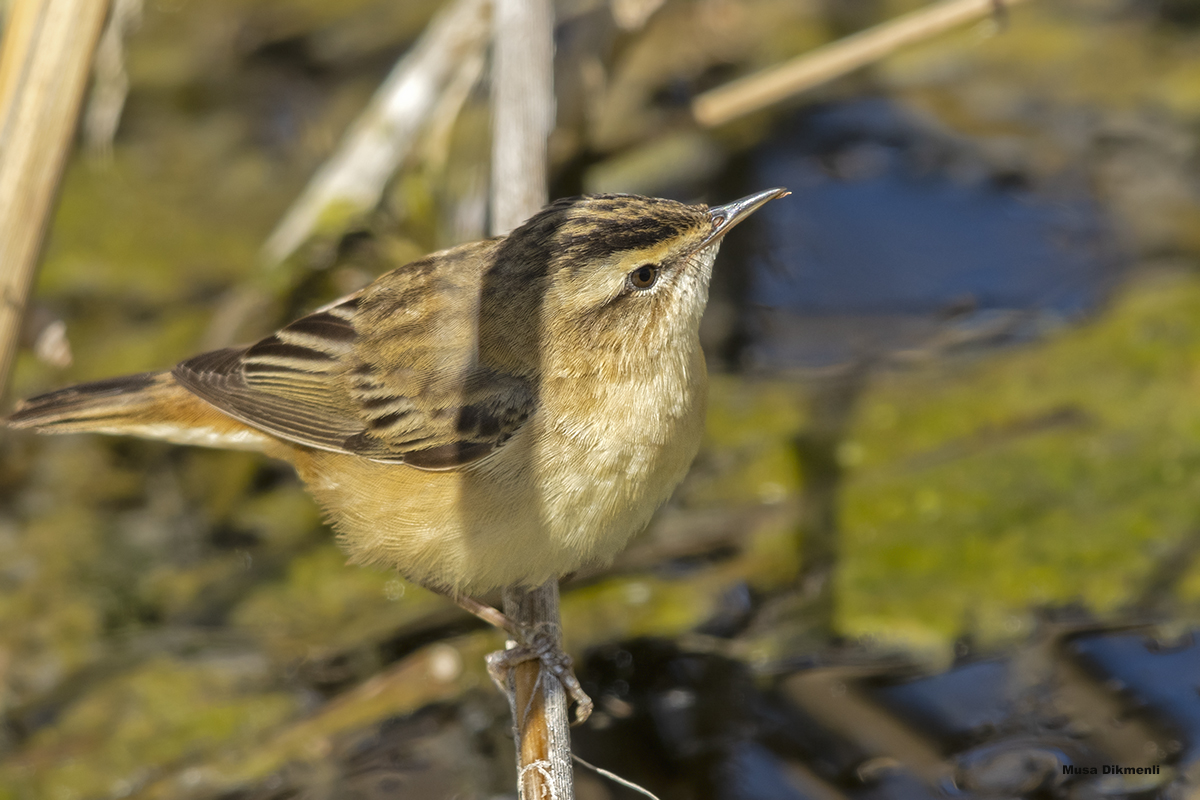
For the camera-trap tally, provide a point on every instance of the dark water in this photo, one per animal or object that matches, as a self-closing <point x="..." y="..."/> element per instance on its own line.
<point x="699" y="725"/>
<point x="897" y="229"/>
<point x="1161" y="681"/>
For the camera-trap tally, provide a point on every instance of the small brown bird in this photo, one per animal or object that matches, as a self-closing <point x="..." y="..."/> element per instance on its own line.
<point x="500" y="413"/>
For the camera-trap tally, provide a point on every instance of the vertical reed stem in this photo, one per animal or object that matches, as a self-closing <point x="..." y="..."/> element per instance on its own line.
<point x="522" y="118"/>
<point x="45" y="59"/>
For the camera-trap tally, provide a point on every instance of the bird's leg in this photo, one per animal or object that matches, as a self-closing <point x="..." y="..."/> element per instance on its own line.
<point x="539" y="643"/>
<point x="492" y="616"/>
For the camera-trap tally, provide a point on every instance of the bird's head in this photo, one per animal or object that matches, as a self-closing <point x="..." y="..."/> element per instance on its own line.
<point x="623" y="274"/>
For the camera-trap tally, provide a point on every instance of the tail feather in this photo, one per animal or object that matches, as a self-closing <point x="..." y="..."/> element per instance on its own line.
<point x="151" y="405"/>
<point x="88" y="406"/>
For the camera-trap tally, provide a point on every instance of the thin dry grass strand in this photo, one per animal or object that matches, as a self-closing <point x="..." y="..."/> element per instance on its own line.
<point x="615" y="778"/>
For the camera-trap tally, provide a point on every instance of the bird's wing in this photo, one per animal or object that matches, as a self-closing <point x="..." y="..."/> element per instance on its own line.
<point x="374" y="377"/>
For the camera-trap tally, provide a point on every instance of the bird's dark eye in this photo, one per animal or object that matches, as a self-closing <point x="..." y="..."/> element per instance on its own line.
<point x="644" y="276"/>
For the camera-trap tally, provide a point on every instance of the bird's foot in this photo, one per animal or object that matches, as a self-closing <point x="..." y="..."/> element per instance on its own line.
<point x="541" y="644"/>
<point x="538" y="643"/>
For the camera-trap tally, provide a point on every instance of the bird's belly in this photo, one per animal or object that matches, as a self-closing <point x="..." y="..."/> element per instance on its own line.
<point x="543" y="505"/>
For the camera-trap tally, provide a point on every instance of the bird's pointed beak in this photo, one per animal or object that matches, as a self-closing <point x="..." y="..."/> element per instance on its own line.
<point x="726" y="216"/>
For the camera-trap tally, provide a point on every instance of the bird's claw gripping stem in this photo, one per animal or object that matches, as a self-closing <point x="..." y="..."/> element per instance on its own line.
<point x="541" y="645"/>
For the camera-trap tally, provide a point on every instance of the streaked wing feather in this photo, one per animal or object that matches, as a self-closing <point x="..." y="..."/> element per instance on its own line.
<point x="308" y="384"/>
<point x="441" y="430"/>
<point x="302" y="415"/>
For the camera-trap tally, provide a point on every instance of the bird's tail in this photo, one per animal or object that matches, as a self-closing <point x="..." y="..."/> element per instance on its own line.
<point x="103" y="406"/>
<point x="151" y="405"/>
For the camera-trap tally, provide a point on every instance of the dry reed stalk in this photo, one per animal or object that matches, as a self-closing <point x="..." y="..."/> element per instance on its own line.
<point x="45" y="59"/>
<point x="770" y="86"/>
<point x="522" y="118"/>
<point x="352" y="180"/>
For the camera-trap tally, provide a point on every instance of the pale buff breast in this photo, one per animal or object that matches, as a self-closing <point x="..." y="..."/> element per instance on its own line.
<point x="553" y="499"/>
